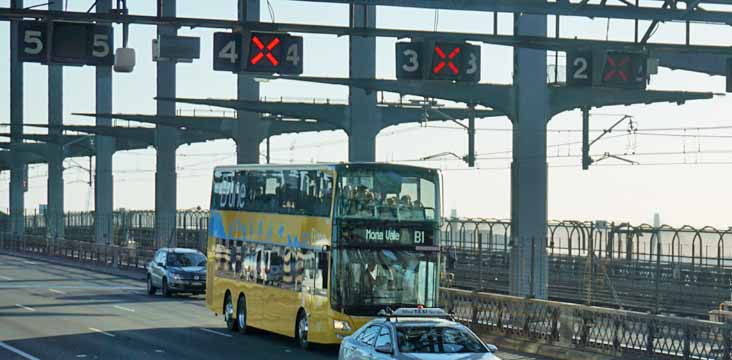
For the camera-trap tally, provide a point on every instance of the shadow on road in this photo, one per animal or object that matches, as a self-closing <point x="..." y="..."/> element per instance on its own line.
<point x="169" y="343"/>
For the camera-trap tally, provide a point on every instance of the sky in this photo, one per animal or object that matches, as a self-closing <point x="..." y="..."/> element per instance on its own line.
<point x="683" y="152"/>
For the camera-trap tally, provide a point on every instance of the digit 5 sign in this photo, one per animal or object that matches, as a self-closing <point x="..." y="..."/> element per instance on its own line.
<point x="438" y="61"/>
<point x="267" y="53"/>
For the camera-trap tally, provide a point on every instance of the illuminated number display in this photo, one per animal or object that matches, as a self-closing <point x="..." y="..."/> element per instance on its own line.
<point x="624" y="69"/>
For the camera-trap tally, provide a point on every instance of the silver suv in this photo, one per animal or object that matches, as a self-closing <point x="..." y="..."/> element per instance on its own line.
<point x="176" y="270"/>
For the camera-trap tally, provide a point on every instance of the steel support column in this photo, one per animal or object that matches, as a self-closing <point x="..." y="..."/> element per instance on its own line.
<point x="104" y="180"/>
<point x="249" y="132"/>
<point x="166" y="142"/>
<point x="529" y="167"/>
<point x="364" y="123"/>
<point x="17" y="197"/>
<point x="55" y="185"/>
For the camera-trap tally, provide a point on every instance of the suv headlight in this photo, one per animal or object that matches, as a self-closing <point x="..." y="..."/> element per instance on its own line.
<point x="176" y="277"/>
<point x="341" y="325"/>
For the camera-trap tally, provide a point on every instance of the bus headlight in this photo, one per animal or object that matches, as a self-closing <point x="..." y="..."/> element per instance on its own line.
<point x="341" y="325"/>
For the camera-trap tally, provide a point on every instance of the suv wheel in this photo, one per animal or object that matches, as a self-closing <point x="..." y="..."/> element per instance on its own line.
<point x="151" y="290"/>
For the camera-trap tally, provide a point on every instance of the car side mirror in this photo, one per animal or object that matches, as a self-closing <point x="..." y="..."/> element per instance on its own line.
<point x="492" y="348"/>
<point x="385" y="349"/>
<point x="161" y="265"/>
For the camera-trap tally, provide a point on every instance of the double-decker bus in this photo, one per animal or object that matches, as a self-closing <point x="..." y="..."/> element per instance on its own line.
<point x="315" y="251"/>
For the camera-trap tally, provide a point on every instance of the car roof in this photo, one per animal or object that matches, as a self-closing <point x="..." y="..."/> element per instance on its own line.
<point x="180" y="250"/>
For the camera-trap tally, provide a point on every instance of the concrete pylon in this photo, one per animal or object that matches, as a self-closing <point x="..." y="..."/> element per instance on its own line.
<point x="250" y="131"/>
<point x="17" y="166"/>
<point x="55" y="185"/>
<point x="166" y="143"/>
<point x="364" y="122"/>
<point x="528" y="271"/>
<point x="105" y="147"/>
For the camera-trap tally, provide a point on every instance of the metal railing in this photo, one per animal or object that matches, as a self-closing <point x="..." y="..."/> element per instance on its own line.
<point x="626" y="334"/>
<point x="613" y="332"/>
<point x="79" y="251"/>
<point x="683" y="270"/>
<point x="662" y="269"/>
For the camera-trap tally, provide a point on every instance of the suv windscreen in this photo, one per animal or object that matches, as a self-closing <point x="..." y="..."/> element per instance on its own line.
<point x="185" y="259"/>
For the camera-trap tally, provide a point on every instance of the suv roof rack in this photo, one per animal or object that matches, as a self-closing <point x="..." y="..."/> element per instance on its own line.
<point x="418" y="312"/>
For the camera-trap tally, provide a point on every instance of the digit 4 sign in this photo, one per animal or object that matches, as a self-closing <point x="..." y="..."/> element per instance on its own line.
<point x="265" y="53"/>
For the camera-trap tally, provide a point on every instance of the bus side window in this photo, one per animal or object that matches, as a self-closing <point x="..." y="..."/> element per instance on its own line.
<point x="321" y="274"/>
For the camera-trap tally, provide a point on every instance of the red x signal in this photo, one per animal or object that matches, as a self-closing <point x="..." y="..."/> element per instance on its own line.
<point x="617" y="68"/>
<point x="446" y="60"/>
<point x="265" y="51"/>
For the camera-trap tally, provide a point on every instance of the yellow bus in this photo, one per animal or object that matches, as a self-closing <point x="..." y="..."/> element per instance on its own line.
<point x="315" y="251"/>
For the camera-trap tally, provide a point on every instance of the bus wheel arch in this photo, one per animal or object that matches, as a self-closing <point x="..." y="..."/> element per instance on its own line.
<point x="241" y="313"/>
<point x="229" y="312"/>
<point x="302" y="329"/>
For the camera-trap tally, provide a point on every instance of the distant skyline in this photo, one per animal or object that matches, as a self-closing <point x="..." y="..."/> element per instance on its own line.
<point x="684" y="168"/>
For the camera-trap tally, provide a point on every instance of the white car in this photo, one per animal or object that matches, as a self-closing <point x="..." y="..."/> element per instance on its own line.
<point x="415" y="334"/>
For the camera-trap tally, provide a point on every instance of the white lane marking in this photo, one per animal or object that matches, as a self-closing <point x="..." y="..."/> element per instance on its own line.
<point x="25" y="307"/>
<point x="81" y="355"/>
<point x="6" y="278"/>
<point x="101" y="332"/>
<point x="82" y="287"/>
<point x="18" y="351"/>
<point x="57" y="291"/>
<point x="30" y="262"/>
<point x="215" y="332"/>
<point x="123" y="308"/>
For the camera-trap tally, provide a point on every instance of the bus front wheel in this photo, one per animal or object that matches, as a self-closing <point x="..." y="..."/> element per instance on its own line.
<point x="229" y="313"/>
<point x="301" y="331"/>
<point x="241" y="314"/>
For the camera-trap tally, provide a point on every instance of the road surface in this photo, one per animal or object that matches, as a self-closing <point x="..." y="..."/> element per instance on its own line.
<point x="49" y="311"/>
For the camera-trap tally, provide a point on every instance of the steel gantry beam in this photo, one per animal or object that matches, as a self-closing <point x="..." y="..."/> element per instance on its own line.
<point x="17" y="163"/>
<point x="55" y="178"/>
<point x="338" y="115"/>
<point x="105" y="147"/>
<point x="503" y="97"/>
<point x="579" y="8"/>
<point x="528" y="41"/>
<point x="166" y="178"/>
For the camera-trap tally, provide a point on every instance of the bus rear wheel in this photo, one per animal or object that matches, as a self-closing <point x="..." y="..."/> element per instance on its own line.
<point x="229" y="314"/>
<point x="241" y="314"/>
<point x="301" y="331"/>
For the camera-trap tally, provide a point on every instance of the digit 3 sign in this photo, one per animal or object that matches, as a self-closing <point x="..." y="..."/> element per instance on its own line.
<point x="444" y="61"/>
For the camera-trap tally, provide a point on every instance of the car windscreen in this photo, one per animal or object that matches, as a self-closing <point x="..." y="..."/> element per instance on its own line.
<point x="186" y="259"/>
<point x="440" y="340"/>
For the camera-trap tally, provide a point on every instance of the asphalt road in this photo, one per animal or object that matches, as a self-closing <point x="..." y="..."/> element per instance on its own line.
<point x="49" y="311"/>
